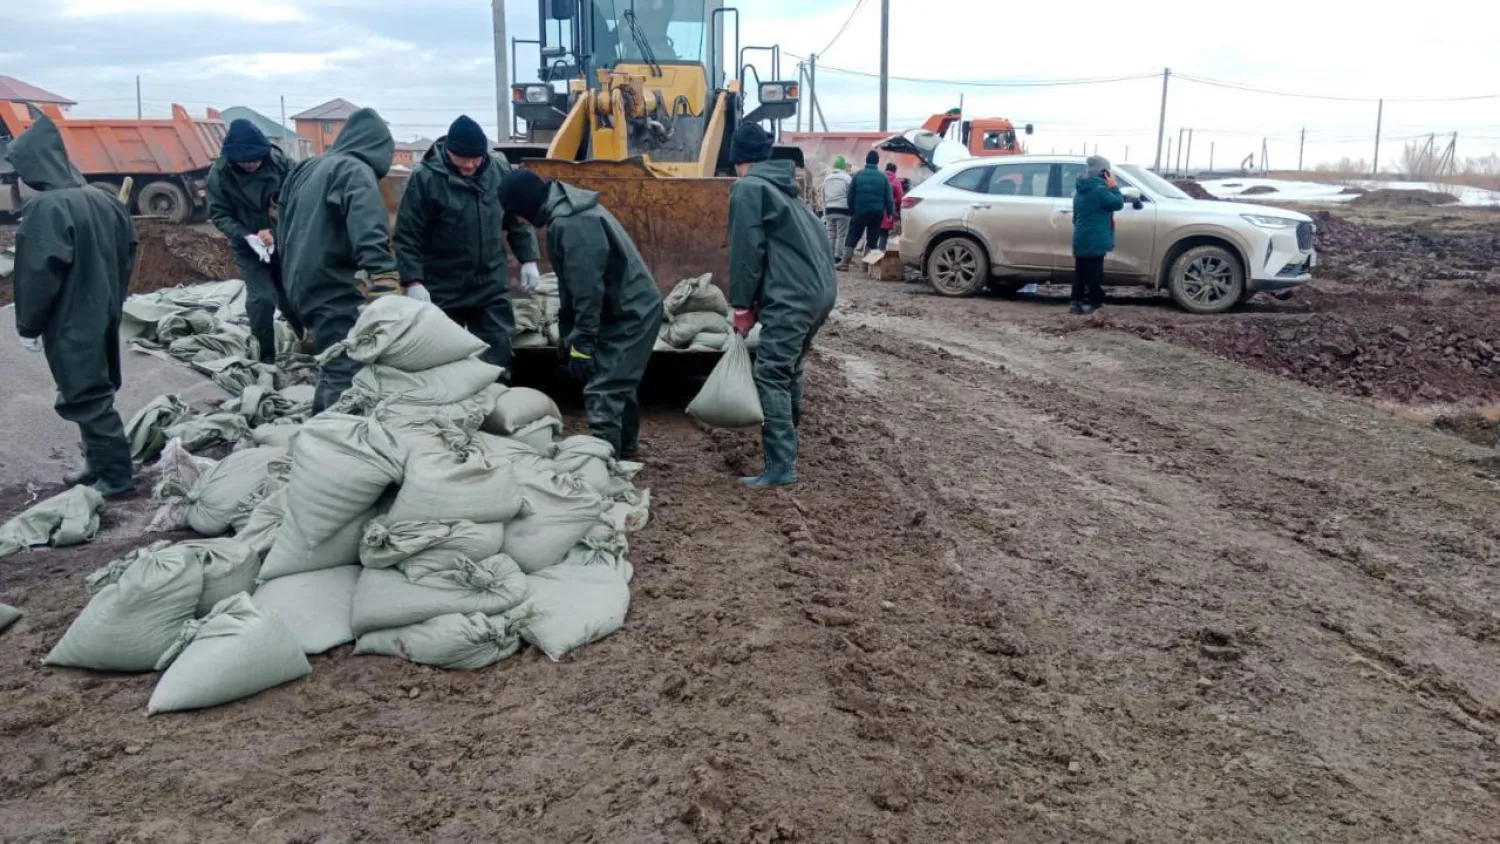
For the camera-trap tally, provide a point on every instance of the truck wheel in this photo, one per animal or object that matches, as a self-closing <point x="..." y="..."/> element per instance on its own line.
<point x="164" y="199"/>
<point x="1206" y="280"/>
<point x="957" y="267"/>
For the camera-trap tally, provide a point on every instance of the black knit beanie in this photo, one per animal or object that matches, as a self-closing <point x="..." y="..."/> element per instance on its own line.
<point x="245" y="142"/>
<point x="466" y="139"/>
<point x="522" y="193"/>
<point x="749" y="145"/>
<point x="872" y="157"/>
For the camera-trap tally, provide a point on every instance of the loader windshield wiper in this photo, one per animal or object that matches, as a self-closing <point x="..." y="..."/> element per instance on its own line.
<point x="642" y="43"/>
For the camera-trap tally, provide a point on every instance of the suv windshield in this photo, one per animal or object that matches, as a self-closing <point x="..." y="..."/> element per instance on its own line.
<point x="1151" y="182"/>
<point x="673" y="30"/>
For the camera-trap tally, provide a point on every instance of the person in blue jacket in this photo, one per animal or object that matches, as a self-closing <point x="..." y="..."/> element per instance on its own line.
<point x="870" y="201"/>
<point x="1095" y="201"/>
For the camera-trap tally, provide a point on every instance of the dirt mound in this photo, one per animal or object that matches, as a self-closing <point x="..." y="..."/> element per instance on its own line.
<point x="1474" y="427"/>
<point x="1353" y="191"/>
<point x="172" y="255"/>
<point x="1403" y="258"/>
<point x="1193" y="189"/>
<point x="1255" y="190"/>
<point x="1387" y="198"/>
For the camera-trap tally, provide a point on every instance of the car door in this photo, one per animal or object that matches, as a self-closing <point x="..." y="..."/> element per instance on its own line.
<point x="1015" y="216"/>
<point x="1135" y="231"/>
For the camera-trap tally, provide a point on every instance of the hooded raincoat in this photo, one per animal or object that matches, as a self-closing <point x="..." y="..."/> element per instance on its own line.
<point x="240" y="204"/>
<point x="609" y="302"/>
<point x="780" y="266"/>
<point x="448" y="238"/>
<point x="75" y="252"/>
<point x="333" y="223"/>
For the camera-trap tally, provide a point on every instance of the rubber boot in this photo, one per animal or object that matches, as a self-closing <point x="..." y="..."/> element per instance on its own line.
<point x="84" y="473"/>
<point x="1075" y="308"/>
<point x="779" y="442"/>
<point x="116" y="475"/>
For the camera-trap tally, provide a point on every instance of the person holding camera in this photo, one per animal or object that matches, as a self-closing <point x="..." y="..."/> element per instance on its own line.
<point x="1095" y="200"/>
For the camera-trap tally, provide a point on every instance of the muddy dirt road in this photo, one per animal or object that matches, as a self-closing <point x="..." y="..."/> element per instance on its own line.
<point x="1037" y="586"/>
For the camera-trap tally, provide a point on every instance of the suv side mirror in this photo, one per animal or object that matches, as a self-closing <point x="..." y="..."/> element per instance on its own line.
<point x="1134" y="197"/>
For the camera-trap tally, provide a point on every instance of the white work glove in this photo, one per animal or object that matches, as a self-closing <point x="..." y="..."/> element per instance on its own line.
<point x="31" y="344"/>
<point x="262" y="249"/>
<point x="531" y="277"/>
<point x="416" y="291"/>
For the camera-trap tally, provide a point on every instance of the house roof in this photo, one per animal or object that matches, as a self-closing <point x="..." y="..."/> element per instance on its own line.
<point x="419" y="145"/>
<point x="335" y="109"/>
<point x="271" y="128"/>
<point x="13" y="89"/>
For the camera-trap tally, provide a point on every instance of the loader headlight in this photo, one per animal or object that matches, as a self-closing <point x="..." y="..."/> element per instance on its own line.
<point x="532" y="94"/>
<point x="778" y="92"/>
<point x="1269" y="222"/>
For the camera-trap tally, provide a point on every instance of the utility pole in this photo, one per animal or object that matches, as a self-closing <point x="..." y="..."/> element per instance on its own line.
<point x="1169" y="152"/>
<point x="885" y="63"/>
<point x="812" y="86"/>
<point x="1188" y="158"/>
<point x="1127" y="152"/>
<point x="138" y="114"/>
<point x="1161" y="124"/>
<point x="1265" y="157"/>
<point x="1379" y="119"/>
<point x="502" y="70"/>
<point x="1211" y="145"/>
<point x="283" y="127"/>
<point x="1301" y="144"/>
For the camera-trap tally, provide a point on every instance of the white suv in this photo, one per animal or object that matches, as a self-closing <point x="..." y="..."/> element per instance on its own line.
<point x="1007" y="222"/>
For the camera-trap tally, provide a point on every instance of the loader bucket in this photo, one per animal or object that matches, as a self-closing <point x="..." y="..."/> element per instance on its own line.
<point x="680" y="225"/>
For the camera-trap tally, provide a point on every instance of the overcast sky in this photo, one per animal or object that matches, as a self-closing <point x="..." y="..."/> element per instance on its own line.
<point x="422" y="64"/>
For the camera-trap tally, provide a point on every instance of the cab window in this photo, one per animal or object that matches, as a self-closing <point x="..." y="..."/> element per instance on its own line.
<point x="972" y="179"/>
<point x="1029" y="180"/>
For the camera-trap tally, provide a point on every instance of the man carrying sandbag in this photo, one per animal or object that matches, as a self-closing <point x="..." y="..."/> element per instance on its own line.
<point x="75" y="252"/>
<point x="448" y="246"/>
<point x="610" y="306"/>
<point x="334" y="224"/>
<point x="243" y="185"/>
<point x="781" y="273"/>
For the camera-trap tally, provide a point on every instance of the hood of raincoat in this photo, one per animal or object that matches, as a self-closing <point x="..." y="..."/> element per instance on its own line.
<point x="781" y="174"/>
<point x="366" y="137"/>
<point x="245" y="142"/>
<point x="564" y="200"/>
<point x="41" y="159"/>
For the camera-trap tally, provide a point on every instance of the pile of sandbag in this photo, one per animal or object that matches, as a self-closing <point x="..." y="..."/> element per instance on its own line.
<point x="695" y="317"/>
<point x="536" y="317"/>
<point x="431" y="515"/>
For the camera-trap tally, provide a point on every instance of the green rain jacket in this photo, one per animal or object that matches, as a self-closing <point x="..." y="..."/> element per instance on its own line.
<point x="239" y="203"/>
<point x="603" y="282"/>
<point x="448" y="232"/>
<point x="75" y="252"/>
<point x="781" y="264"/>
<point x="1094" y="207"/>
<point x="333" y="220"/>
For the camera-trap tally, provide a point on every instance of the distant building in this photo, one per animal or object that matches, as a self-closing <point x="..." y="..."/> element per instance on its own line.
<point x="322" y="124"/>
<point x="13" y="90"/>
<point x="408" y="153"/>
<point x="295" y="146"/>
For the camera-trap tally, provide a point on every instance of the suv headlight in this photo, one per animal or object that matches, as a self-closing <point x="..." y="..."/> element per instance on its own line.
<point x="1269" y="222"/>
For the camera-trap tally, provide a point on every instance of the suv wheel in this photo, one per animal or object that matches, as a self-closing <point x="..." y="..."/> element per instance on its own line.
<point x="957" y="267"/>
<point x="1206" y="280"/>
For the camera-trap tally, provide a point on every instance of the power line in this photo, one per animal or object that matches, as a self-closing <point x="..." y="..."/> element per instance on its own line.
<point x="859" y="4"/>
<point x="1236" y="86"/>
<point x="988" y="83"/>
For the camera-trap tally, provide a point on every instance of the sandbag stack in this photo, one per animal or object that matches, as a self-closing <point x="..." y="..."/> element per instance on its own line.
<point x="432" y="515"/>
<point x="695" y="317"/>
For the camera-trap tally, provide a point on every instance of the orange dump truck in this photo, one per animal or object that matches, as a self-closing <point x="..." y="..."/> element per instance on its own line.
<point x="167" y="160"/>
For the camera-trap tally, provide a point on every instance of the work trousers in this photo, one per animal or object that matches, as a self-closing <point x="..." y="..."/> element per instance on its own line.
<point x="331" y="324"/>
<point x="493" y="323"/>
<point x="836" y="223"/>
<point x="866" y="226"/>
<point x="87" y="374"/>
<point x="1088" y="280"/>
<point x="780" y="360"/>
<point x="611" y="398"/>
<point x="264" y="296"/>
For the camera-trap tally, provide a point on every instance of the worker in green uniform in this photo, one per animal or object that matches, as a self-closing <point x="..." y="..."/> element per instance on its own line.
<point x="448" y="246"/>
<point x="75" y="251"/>
<point x="781" y="274"/>
<point x="333" y="224"/>
<point x="610" y="306"/>
<point x="243" y="187"/>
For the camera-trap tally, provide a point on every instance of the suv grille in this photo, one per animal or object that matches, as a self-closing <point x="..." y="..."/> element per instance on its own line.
<point x="1305" y="236"/>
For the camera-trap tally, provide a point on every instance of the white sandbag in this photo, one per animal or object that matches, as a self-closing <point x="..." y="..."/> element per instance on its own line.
<point x="695" y="295"/>
<point x="8" y="615"/>
<point x="229" y="568"/>
<point x="69" y="518"/>
<point x="275" y="435"/>
<point x="629" y="512"/>
<point x="264" y="523"/>
<point x="400" y="332"/>
<point x="340" y="467"/>
<point x="201" y="431"/>
<point x="289" y="555"/>
<point x="594" y="460"/>
<point x="560" y="511"/>
<point x="450" y="476"/>
<point x="572" y="606"/>
<point x="388" y="543"/>
<point x="709" y="341"/>
<point x="604" y="546"/>
<point x="146" y="430"/>
<point x="462" y="642"/>
<point x="446" y="384"/>
<point x="523" y="454"/>
<point x="387" y="598"/>
<point x="316" y="606"/>
<point x="684" y="327"/>
<point x="217" y="502"/>
<point x="518" y="407"/>
<point x="233" y="653"/>
<point x="541" y="433"/>
<point x="140" y="603"/>
<point x="729" y="398"/>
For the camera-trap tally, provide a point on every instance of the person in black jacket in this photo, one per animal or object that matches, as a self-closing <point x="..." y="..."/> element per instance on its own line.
<point x="870" y="200"/>
<point x="244" y="186"/>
